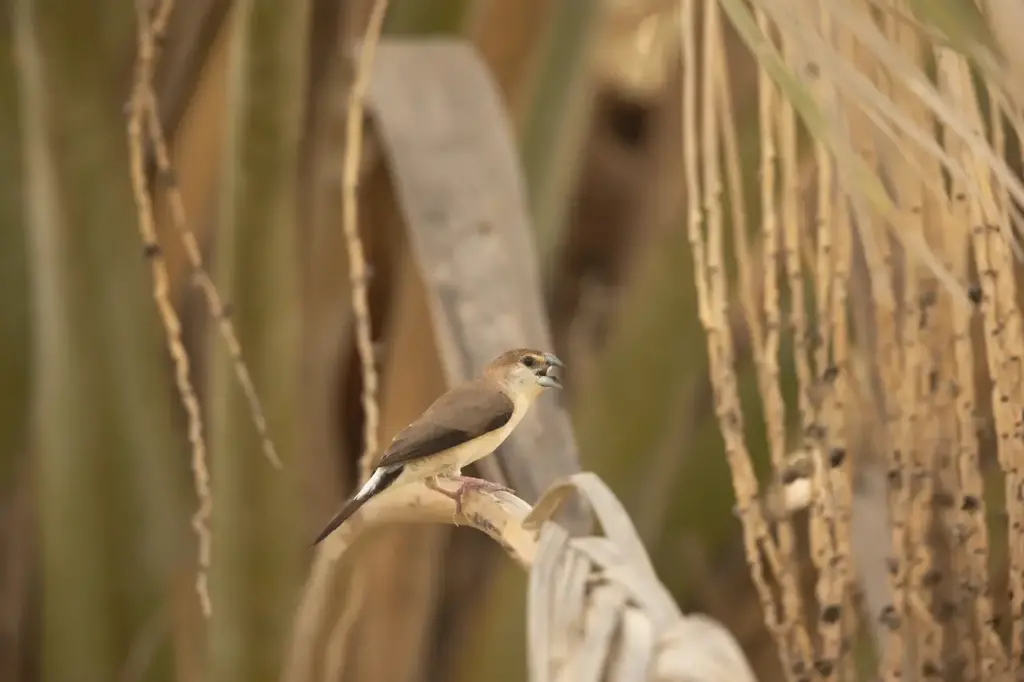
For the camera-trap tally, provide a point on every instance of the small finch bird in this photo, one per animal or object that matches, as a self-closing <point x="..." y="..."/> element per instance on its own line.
<point x="465" y="424"/>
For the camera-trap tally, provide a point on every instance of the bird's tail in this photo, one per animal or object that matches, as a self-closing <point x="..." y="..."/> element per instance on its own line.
<point x="379" y="481"/>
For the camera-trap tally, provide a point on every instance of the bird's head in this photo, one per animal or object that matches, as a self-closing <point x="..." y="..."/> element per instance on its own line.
<point x="525" y="371"/>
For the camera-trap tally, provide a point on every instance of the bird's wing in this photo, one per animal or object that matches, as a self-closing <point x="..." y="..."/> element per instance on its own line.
<point x="467" y="411"/>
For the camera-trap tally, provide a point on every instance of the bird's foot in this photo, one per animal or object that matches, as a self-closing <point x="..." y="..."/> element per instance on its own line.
<point x="470" y="483"/>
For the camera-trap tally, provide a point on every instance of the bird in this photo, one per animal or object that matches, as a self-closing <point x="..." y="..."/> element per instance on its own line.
<point x="465" y="424"/>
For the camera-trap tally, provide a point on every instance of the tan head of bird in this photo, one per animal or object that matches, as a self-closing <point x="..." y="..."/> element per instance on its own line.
<point x="526" y="370"/>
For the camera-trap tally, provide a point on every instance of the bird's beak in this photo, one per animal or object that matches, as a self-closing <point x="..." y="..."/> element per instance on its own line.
<point x="548" y="379"/>
<point x="553" y="360"/>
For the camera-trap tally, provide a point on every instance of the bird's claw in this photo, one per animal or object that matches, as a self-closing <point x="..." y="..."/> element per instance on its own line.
<point x="470" y="483"/>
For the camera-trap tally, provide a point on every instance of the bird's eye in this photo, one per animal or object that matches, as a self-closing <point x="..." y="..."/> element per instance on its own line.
<point x="529" y="361"/>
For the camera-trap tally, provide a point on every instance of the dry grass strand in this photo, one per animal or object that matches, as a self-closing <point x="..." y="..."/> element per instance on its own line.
<point x="140" y="101"/>
<point x="993" y="262"/>
<point x="709" y="279"/>
<point x="218" y="310"/>
<point x="771" y="109"/>
<point x="359" y="278"/>
<point x="358" y="271"/>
